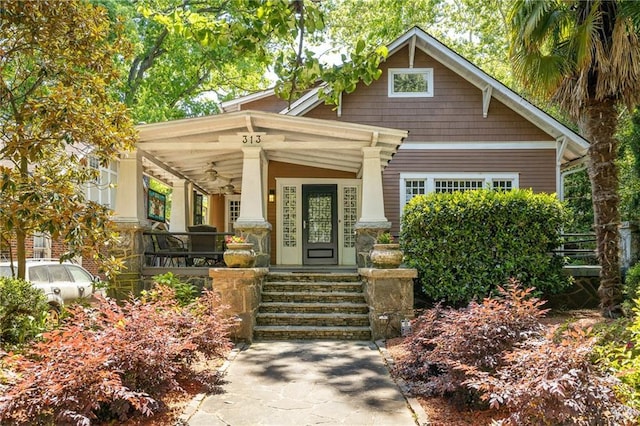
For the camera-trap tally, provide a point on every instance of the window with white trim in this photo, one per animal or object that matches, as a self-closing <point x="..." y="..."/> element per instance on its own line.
<point x="413" y="187"/>
<point x="410" y="82"/>
<point x="103" y="190"/>
<point x="412" y="184"/>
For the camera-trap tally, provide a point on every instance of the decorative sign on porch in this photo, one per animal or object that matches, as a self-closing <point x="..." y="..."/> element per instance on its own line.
<point x="156" y="206"/>
<point x="251" y="139"/>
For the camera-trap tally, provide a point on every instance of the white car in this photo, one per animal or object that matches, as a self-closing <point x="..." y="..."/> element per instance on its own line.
<point x="60" y="282"/>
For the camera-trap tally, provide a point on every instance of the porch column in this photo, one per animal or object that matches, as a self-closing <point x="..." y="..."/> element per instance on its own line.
<point x="129" y="192"/>
<point x="251" y="222"/>
<point x="131" y="221"/>
<point x="179" y="206"/>
<point x="372" y="221"/>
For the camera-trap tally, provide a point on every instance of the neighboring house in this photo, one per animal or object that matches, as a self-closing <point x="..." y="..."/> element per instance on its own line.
<point x="312" y="183"/>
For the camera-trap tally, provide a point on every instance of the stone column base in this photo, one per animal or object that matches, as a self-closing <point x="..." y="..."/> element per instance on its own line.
<point x="389" y="294"/>
<point x="240" y="289"/>
<point x="130" y="251"/>
<point x="366" y="235"/>
<point x="258" y="233"/>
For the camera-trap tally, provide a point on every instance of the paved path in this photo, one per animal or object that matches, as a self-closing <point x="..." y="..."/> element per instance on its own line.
<point x="306" y="383"/>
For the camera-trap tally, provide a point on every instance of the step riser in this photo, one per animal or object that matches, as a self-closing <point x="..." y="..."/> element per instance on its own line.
<point x="317" y="322"/>
<point x="307" y="335"/>
<point x="274" y="277"/>
<point x="315" y="298"/>
<point x="314" y="309"/>
<point x="316" y="287"/>
<point x="293" y="304"/>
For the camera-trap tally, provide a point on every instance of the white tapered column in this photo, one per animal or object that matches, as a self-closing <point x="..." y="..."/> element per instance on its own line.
<point x="251" y="198"/>
<point x="129" y="191"/>
<point x="372" y="195"/>
<point x="251" y="222"/>
<point x="372" y="220"/>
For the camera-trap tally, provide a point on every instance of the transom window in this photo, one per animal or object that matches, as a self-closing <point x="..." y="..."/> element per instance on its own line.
<point x="410" y="82"/>
<point x="412" y="184"/>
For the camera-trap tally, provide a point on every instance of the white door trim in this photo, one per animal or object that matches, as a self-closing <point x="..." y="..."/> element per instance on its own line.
<point x="293" y="255"/>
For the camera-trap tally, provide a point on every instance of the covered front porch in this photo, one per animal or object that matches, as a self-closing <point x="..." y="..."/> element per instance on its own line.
<point x="304" y="191"/>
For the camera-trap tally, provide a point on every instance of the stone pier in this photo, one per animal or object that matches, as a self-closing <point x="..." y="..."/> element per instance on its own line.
<point x="389" y="294"/>
<point x="240" y="289"/>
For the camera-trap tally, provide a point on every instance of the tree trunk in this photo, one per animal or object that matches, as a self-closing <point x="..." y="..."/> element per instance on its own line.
<point x="600" y="121"/>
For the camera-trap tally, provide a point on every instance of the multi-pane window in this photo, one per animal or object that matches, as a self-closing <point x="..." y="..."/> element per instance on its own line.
<point x="410" y="82"/>
<point x="412" y="184"/>
<point x="233" y="213"/>
<point x="350" y="205"/>
<point x="502" y="184"/>
<point x="451" y="185"/>
<point x="289" y="216"/>
<point x="102" y="190"/>
<point x="414" y="187"/>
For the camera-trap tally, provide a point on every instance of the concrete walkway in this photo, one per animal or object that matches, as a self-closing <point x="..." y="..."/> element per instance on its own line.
<point x="305" y="383"/>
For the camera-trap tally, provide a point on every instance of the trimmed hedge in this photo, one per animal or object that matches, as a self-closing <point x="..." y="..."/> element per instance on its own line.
<point x="464" y="244"/>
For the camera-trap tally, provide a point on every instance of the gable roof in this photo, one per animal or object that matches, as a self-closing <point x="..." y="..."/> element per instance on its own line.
<point x="573" y="146"/>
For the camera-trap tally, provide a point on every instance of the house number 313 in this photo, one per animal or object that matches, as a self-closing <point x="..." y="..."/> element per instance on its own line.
<point x="251" y="139"/>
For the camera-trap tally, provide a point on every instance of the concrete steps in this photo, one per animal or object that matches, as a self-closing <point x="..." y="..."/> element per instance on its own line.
<point x="312" y="306"/>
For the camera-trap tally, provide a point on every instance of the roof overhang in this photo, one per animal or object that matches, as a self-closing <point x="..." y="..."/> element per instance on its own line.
<point x="185" y="149"/>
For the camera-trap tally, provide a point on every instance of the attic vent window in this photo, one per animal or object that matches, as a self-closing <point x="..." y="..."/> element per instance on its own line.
<point x="410" y="82"/>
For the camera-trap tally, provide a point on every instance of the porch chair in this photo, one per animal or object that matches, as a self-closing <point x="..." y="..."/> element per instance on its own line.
<point x="168" y="250"/>
<point x="206" y="250"/>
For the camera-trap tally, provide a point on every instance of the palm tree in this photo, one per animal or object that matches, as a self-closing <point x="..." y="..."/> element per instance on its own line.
<point x="585" y="55"/>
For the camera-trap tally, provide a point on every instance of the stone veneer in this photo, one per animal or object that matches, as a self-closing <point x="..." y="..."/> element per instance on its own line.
<point x="240" y="289"/>
<point x="259" y="234"/>
<point x="366" y="236"/>
<point x="130" y="250"/>
<point x="389" y="294"/>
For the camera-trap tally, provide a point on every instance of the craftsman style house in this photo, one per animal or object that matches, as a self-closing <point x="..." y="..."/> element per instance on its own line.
<point x="311" y="184"/>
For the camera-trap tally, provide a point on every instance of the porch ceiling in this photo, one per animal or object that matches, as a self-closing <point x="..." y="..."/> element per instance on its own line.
<point x="185" y="149"/>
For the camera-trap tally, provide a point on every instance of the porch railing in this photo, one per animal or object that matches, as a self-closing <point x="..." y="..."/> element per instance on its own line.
<point x="580" y="248"/>
<point x="176" y="249"/>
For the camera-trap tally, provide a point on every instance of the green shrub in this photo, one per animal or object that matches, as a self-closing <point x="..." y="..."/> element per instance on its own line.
<point x="185" y="293"/>
<point x="619" y="353"/>
<point x="463" y="243"/>
<point x="23" y="311"/>
<point x="632" y="285"/>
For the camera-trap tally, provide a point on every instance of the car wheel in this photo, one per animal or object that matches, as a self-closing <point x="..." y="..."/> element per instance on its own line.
<point x="53" y="315"/>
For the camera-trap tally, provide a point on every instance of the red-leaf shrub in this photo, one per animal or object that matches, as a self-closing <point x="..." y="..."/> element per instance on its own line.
<point x="475" y="336"/>
<point x="547" y="382"/>
<point x="110" y="359"/>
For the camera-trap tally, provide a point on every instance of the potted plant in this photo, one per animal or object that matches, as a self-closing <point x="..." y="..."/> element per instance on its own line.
<point x="386" y="253"/>
<point x="238" y="253"/>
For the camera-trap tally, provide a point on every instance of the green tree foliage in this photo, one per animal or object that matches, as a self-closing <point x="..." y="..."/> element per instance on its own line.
<point x="464" y="244"/>
<point x="586" y="56"/>
<point x="188" y="54"/>
<point x="57" y="64"/>
<point x="474" y="29"/>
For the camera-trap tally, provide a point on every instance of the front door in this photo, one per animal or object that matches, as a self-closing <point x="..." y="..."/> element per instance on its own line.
<point x="319" y="225"/>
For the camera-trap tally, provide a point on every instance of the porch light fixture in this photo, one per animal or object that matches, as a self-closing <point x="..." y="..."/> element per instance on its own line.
<point x="211" y="172"/>
<point x="228" y="189"/>
<point x="272" y="195"/>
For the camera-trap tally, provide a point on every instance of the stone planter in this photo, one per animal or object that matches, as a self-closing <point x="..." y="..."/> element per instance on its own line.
<point x="386" y="256"/>
<point x="239" y="255"/>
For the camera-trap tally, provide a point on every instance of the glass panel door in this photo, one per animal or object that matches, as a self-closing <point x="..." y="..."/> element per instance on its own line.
<point x="319" y="225"/>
